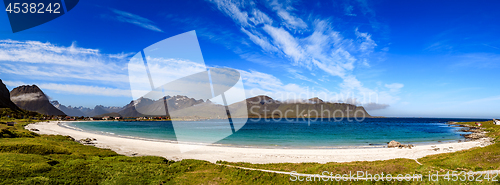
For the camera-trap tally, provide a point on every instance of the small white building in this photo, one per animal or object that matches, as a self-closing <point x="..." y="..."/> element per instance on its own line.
<point x="496" y="122"/>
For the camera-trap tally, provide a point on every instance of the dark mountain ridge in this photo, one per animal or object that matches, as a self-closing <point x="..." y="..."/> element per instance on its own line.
<point x="5" y="101"/>
<point x="32" y="98"/>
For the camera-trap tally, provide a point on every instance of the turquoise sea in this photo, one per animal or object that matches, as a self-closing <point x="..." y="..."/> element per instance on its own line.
<point x="292" y="133"/>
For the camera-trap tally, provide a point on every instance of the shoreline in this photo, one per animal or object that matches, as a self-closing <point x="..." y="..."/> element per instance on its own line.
<point x="213" y="153"/>
<point x="367" y="146"/>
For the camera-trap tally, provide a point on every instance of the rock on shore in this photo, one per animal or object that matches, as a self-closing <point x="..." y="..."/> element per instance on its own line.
<point x="395" y="144"/>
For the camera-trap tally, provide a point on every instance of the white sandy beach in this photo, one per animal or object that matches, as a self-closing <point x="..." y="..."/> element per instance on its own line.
<point x="128" y="146"/>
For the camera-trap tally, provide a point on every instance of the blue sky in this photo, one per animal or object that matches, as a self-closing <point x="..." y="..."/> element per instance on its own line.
<point x="396" y="58"/>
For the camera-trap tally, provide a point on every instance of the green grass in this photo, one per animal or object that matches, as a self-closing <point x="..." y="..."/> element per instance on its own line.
<point x="28" y="158"/>
<point x="475" y="159"/>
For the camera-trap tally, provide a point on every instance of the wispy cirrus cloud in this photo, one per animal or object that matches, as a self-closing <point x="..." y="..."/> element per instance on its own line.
<point x="476" y="60"/>
<point x="261" y="41"/>
<point x="231" y="9"/>
<point x="394" y="87"/>
<point x="307" y="44"/>
<point x="285" y="12"/>
<point x="348" y="10"/>
<point x="285" y="42"/>
<point x="127" y="17"/>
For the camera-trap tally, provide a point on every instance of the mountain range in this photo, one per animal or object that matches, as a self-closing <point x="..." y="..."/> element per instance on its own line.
<point x="30" y="97"/>
<point x="258" y="106"/>
<point x="84" y="111"/>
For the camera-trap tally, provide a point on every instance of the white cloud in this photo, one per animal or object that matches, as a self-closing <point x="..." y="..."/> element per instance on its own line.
<point x="311" y="45"/>
<point x="13" y="83"/>
<point x="28" y="97"/>
<point x="260" y="41"/>
<point x="348" y="10"/>
<point x="176" y="69"/>
<point x="260" y="17"/>
<point x="47" y="53"/>
<point x="296" y="74"/>
<point x="394" y="87"/>
<point x="258" y="83"/>
<point x="286" y="42"/>
<point x="353" y="92"/>
<point x="120" y="56"/>
<point x="367" y="44"/>
<point x="127" y="17"/>
<point x="261" y="80"/>
<point x="374" y="106"/>
<point x="34" y="59"/>
<point x="291" y="21"/>
<point x="477" y="60"/>
<point x="232" y="10"/>
<point x="73" y="89"/>
<point x="85" y="90"/>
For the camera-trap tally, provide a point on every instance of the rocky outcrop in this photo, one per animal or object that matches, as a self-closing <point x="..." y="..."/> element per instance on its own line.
<point x="316" y="100"/>
<point x="395" y="144"/>
<point x="475" y="136"/>
<point x="88" y="141"/>
<point x="32" y="98"/>
<point x="476" y="132"/>
<point x="5" y="101"/>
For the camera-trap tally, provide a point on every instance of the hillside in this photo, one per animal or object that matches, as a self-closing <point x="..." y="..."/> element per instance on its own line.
<point x="98" y="110"/>
<point x="5" y="101"/>
<point x="70" y="111"/>
<point x="32" y="98"/>
<point x="266" y="107"/>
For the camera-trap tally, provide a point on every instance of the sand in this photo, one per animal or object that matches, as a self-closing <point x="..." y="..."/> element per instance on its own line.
<point x="140" y="147"/>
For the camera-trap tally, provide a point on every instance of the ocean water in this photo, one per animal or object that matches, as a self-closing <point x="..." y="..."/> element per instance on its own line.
<point x="291" y="133"/>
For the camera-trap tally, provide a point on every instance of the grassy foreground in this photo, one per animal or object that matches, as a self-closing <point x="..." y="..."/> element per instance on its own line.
<point x="29" y="158"/>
